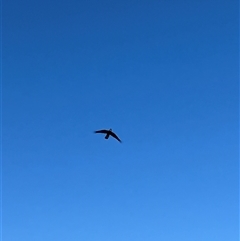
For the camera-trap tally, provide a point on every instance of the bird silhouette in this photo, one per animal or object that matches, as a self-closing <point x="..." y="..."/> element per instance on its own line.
<point x="108" y="133"/>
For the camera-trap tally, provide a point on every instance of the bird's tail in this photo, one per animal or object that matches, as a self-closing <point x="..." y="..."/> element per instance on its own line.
<point x="107" y="136"/>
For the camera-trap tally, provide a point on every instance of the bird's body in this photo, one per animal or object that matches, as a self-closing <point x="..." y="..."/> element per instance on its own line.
<point x="108" y="134"/>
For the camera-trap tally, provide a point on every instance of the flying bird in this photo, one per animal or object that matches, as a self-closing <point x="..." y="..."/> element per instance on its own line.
<point x="108" y="133"/>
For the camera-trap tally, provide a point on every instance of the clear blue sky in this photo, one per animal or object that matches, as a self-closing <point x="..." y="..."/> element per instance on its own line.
<point x="164" y="76"/>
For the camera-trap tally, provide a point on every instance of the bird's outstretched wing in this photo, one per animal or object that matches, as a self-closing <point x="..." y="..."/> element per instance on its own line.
<point x="115" y="136"/>
<point x="101" y="131"/>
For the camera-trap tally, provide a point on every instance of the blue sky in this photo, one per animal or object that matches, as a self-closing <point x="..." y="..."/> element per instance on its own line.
<point x="164" y="76"/>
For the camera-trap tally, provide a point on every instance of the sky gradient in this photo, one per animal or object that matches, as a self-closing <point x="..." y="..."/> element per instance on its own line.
<point x="164" y="75"/>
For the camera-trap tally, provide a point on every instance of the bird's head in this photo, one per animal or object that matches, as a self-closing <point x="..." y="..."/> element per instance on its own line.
<point x="110" y="129"/>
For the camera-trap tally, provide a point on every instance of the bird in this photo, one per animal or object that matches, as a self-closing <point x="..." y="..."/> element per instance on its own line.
<point x="108" y="133"/>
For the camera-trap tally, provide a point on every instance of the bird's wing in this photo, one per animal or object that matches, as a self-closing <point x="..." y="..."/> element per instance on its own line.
<point x="115" y="136"/>
<point x="101" y="131"/>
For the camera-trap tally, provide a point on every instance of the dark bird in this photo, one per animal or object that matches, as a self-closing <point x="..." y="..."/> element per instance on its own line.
<point x="108" y="133"/>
